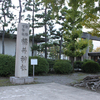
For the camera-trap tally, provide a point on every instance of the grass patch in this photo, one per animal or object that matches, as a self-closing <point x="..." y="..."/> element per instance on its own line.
<point x="5" y="81"/>
<point x="79" y="80"/>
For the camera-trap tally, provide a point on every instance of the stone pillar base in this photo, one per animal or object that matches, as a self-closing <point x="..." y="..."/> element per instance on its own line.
<point x="23" y="80"/>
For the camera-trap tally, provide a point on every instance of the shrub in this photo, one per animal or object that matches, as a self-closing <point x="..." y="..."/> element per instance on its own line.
<point x="51" y="64"/>
<point x="86" y="60"/>
<point x="41" y="68"/>
<point x="7" y="65"/>
<point x="98" y="61"/>
<point x="78" y="64"/>
<point x="90" y="67"/>
<point x="62" y="67"/>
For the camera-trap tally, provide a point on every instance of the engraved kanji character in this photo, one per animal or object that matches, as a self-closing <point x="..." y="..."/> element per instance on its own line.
<point x="23" y="67"/>
<point x="23" y="34"/>
<point x="23" y="29"/>
<point x="25" y="26"/>
<point x="24" y="41"/>
<point x="26" y="34"/>
<point x="24" y="50"/>
<point x="23" y="58"/>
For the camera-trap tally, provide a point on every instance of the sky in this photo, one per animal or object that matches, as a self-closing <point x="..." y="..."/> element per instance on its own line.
<point x="95" y="43"/>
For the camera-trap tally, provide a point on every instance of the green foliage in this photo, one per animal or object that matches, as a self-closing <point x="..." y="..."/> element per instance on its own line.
<point x="48" y="24"/>
<point x="35" y="47"/>
<point x="90" y="45"/>
<point x="62" y="67"/>
<point x="91" y="17"/>
<point x="6" y="16"/>
<point x="7" y="65"/>
<point x="90" y="67"/>
<point x="78" y="64"/>
<point x="51" y="64"/>
<point x="54" y="4"/>
<point x="82" y="44"/>
<point x="54" y="52"/>
<point x="98" y="61"/>
<point x="73" y="29"/>
<point x="41" y="68"/>
<point x="86" y="60"/>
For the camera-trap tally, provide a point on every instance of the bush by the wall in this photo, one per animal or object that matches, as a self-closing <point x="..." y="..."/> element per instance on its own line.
<point x="41" y="68"/>
<point x="98" y="61"/>
<point x="62" y="67"/>
<point x="7" y="65"/>
<point x="90" y="67"/>
<point x="51" y="64"/>
<point x="78" y="64"/>
<point x="86" y="60"/>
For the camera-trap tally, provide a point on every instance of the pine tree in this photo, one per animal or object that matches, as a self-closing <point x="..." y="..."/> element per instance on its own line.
<point x="32" y="7"/>
<point x="6" y="17"/>
<point x="46" y="22"/>
<point x="59" y="33"/>
<point x="55" y="4"/>
<point x="54" y="52"/>
<point x="20" y="5"/>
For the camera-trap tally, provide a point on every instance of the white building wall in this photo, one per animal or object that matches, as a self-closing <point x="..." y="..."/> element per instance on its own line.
<point x="10" y="46"/>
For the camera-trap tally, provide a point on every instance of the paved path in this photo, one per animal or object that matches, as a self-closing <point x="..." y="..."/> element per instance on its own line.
<point x="61" y="79"/>
<point x="47" y="91"/>
<point x="53" y="87"/>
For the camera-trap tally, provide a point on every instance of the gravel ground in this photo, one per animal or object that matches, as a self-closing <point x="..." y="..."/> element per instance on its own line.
<point x="65" y="79"/>
<point x="62" y="79"/>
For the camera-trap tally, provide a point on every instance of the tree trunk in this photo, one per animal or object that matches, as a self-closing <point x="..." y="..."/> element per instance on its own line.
<point x="60" y="48"/>
<point x="72" y="62"/>
<point x="3" y="52"/>
<point x="3" y="35"/>
<point x="45" y="34"/>
<point x="20" y="11"/>
<point x="33" y="28"/>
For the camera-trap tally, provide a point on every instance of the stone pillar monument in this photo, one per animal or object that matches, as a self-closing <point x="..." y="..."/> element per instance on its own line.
<point x="21" y="66"/>
<point x="22" y="55"/>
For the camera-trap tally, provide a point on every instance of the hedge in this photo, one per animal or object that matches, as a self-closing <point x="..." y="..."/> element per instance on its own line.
<point x="62" y="67"/>
<point x="7" y="65"/>
<point x="91" y="67"/>
<point x="41" y="68"/>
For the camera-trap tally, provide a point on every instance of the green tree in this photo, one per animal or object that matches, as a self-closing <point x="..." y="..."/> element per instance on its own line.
<point x="55" y="4"/>
<point x="73" y="29"/>
<point x="46" y="23"/>
<point x="32" y="7"/>
<point x="90" y="46"/>
<point x="92" y="16"/>
<point x="6" y="17"/>
<point x="20" y="11"/>
<point x="59" y="34"/>
<point x="54" y="51"/>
